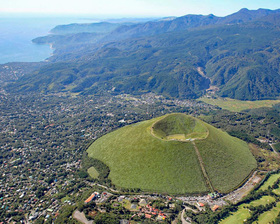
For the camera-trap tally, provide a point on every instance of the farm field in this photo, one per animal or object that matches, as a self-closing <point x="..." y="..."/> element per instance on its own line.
<point x="139" y="159"/>
<point x="238" y="105"/>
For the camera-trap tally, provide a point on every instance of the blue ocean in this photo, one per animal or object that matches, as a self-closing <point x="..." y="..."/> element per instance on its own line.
<point x="17" y="32"/>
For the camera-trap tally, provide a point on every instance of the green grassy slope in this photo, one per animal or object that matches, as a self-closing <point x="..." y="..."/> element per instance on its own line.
<point x="138" y="159"/>
<point x="227" y="160"/>
<point x="179" y="124"/>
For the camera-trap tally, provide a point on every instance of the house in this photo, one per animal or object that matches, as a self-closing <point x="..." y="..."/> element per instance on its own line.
<point x="120" y="199"/>
<point x="171" y="205"/>
<point x="147" y="216"/>
<point x="200" y="204"/>
<point x="133" y="206"/>
<point x="161" y="217"/>
<point x="215" y="207"/>
<point x="142" y="202"/>
<point x="92" y="197"/>
<point x="212" y="195"/>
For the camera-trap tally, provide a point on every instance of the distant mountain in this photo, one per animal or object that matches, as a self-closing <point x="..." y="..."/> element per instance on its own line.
<point x="68" y="40"/>
<point x="272" y="19"/>
<point x="245" y="15"/>
<point x="153" y="28"/>
<point x="104" y="32"/>
<point x="102" y="27"/>
<point x="185" y="23"/>
<point x="178" y="57"/>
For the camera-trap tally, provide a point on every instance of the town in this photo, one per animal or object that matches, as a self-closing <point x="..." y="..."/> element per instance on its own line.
<point x="42" y="143"/>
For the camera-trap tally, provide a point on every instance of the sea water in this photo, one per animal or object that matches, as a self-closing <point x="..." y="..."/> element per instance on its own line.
<point x="17" y="32"/>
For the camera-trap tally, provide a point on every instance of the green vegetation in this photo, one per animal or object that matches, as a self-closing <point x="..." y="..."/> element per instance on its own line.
<point x="249" y="125"/>
<point x="138" y="159"/>
<point x="179" y="127"/>
<point x="241" y="60"/>
<point x="277" y="147"/>
<point x="238" y="217"/>
<point x="219" y="152"/>
<point x="262" y="201"/>
<point x="245" y="211"/>
<point x="257" y="207"/>
<point x="93" y="172"/>
<point x="66" y="198"/>
<point x="267" y="160"/>
<point x="96" y="169"/>
<point x="271" y="180"/>
<point x="238" y="105"/>
<point x="269" y="216"/>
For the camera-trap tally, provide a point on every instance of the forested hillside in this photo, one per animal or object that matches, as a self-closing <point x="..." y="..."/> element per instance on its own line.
<point x="178" y="57"/>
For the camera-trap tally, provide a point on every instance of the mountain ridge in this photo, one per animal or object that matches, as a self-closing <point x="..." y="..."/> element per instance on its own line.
<point x="241" y="59"/>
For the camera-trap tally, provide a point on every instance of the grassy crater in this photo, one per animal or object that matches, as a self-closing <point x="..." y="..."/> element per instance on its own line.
<point x="179" y="127"/>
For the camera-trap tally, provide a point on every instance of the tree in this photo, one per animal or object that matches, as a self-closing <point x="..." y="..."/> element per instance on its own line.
<point x="106" y="218"/>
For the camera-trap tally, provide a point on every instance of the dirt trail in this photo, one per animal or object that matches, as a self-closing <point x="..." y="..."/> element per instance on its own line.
<point x="271" y="145"/>
<point x="103" y="186"/>
<point x="183" y="220"/>
<point x="207" y="179"/>
<point x="80" y="216"/>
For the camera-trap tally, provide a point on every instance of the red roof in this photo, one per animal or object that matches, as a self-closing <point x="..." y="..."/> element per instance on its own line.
<point x="148" y="216"/>
<point x="215" y="207"/>
<point x="90" y="198"/>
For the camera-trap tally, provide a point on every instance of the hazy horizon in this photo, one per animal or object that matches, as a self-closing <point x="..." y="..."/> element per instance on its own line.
<point x="134" y="8"/>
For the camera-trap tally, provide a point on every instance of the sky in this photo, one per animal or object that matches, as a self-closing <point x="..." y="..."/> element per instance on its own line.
<point x="134" y="8"/>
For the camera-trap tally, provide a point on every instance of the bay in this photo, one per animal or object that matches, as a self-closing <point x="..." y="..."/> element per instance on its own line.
<point x="17" y="32"/>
